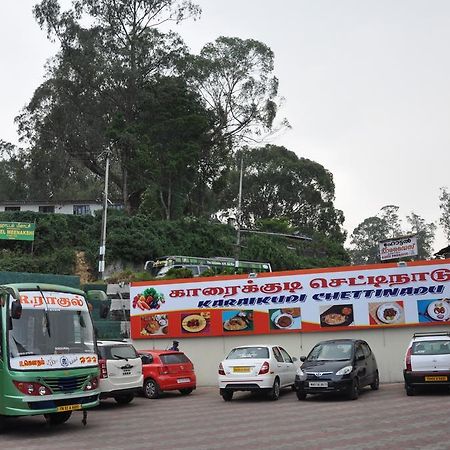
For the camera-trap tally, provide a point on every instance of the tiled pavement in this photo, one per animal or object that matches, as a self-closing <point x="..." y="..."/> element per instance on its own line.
<point x="386" y="419"/>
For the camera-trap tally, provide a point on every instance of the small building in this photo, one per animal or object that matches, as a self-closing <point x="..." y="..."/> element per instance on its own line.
<point x="75" y="207"/>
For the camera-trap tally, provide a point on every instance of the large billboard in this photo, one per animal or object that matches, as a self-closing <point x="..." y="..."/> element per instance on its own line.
<point x="339" y="298"/>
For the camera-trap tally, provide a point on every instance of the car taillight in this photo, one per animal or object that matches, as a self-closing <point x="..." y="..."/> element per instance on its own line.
<point x="103" y="368"/>
<point x="408" y="359"/>
<point x="264" y="368"/>
<point x="32" y="388"/>
<point x="91" y="384"/>
<point x="221" y="371"/>
<point x="163" y="370"/>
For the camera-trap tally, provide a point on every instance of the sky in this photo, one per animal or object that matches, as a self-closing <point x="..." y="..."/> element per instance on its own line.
<point x="365" y="85"/>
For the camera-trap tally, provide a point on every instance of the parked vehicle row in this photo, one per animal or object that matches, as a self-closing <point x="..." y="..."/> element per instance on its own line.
<point x="333" y="366"/>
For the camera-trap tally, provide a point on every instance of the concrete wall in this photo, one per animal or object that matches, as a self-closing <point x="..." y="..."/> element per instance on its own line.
<point x="388" y="345"/>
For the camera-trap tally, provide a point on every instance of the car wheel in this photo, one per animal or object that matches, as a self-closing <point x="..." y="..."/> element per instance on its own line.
<point x="226" y="394"/>
<point x="354" y="390"/>
<point x="151" y="389"/>
<point x="124" y="399"/>
<point x="186" y="391"/>
<point x="274" y="392"/>
<point x="301" y="395"/>
<point x="58" y="418"/>
<point x="376" y="383"/>
<point x="410" y="391"/>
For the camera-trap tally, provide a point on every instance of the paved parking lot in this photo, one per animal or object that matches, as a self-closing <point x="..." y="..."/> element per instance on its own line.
<point x="386" y="419"/>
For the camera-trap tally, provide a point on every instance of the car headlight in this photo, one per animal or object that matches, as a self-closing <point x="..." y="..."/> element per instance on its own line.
<point x="301" y="374"/>
<point x="345" y="370"/>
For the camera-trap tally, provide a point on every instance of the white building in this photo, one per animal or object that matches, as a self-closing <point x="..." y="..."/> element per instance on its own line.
<point x="75" y="207"/>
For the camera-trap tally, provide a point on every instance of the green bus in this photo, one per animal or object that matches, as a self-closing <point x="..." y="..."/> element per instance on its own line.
<point x="48" y="354"/>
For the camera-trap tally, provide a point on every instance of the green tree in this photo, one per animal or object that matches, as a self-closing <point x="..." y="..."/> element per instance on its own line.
<point x="236" y="82"/>
<point x="279" y="185"/>
<point x="366" y="236"/>
<point x="444" y="205"/>
<point x="425" y="235"/>
<point x="98" y="81"/>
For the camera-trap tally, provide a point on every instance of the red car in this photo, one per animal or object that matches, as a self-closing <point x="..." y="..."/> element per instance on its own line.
<point x="167" y="370"/>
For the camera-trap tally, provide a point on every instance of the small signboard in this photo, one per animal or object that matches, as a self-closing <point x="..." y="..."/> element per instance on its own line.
<point x="18" y="231"/>
<point x="402" y="247"/>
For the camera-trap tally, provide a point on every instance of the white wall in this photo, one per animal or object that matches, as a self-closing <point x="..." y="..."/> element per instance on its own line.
<point x="388" y="345"/>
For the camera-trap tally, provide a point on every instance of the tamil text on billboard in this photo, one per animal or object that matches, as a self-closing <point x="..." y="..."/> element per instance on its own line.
<point x="404" y="247"/>
<point x="19" y="231"/>
<point x="383" y="295"/>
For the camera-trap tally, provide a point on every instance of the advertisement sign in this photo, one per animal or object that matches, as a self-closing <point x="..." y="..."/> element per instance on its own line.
<point x="398" y="248"/>
<point x="381" y="295"/>
<point x="18" y="231"/>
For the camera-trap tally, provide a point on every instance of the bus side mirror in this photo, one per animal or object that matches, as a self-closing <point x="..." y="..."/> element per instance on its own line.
<point x="16" y="309"/>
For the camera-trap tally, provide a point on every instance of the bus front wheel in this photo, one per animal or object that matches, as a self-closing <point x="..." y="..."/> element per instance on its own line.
<point x="58" y="418"/>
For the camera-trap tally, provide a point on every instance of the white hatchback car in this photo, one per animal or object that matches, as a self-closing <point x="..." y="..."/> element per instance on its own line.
<point x="120" y="371"/>
<point x="427" y="361"/>
<point x="255" y="368"/>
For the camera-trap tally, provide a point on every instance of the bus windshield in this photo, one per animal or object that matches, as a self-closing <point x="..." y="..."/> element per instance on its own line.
<point x="40" y="337"/>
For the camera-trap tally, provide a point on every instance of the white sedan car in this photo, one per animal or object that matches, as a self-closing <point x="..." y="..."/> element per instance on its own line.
<point x="256" y="368"/>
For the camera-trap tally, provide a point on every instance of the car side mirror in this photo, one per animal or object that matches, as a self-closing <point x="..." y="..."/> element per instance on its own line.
<point x="294" y="359"/>
<point x="302" y="358"/>
<point x="360" y="358"/>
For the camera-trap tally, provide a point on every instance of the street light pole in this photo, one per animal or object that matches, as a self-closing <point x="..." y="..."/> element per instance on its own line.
<point x="239" y="212"/>
<point x="102" y="251"/>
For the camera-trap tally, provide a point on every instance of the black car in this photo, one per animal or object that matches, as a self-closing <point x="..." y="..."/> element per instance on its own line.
<point x="340" y="365"/>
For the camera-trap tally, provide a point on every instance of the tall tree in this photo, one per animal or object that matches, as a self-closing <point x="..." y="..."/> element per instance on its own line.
<point x="445" y="211"/>
<point x="279" y="185"/>
<point x="236" y="81"/>
<point x="97" y="82"/>
<point x="367" y="235"/>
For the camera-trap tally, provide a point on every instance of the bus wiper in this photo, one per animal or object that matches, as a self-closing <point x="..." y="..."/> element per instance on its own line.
<point x="47" y="318"/>
<point x="120" y="357"/>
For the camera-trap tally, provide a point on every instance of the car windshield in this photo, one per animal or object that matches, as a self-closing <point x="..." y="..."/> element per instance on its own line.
<point x="40" y="332"/>
<point x="431" y="348"/>
<point x="331" y="351"/>
<point x="248" y="352"/>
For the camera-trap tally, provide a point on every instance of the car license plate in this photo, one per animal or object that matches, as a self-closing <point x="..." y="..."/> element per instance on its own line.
<point x="241" y="369"/>
<point x="68" y="408"/>
<point x="436" y="378"/>
<point x="183" y="380"/>
<point x="318" y="384"/>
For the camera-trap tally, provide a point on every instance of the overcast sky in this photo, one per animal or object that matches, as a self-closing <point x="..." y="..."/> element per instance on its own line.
<point x="366" y="86"/>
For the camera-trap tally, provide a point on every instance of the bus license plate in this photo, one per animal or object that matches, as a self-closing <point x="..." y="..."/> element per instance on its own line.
<point x="437" y="378"/>
<point x="68" y="408"/>
<point x="318" y="384"/>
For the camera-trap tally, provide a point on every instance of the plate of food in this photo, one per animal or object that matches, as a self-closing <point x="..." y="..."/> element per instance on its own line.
<point x="439" y="310"/>
<point x="389" y="313"/>
<point x="236" y="323"/>
<point x="193" y="323"/>
<point x="282" y="320"/>
<point x="337" y="315"/>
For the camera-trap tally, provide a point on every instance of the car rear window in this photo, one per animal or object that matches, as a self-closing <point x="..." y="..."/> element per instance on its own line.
<point x="174" y="358"/>
<point x="248" y="352"/>
<point x="117" y="352"/>
<point x="431" y="348"/>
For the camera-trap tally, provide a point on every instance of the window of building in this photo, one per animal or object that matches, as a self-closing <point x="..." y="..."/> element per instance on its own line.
<point x="81" y="210"/>
<point x="12" y="208"/>
<point x="47" y="209"/>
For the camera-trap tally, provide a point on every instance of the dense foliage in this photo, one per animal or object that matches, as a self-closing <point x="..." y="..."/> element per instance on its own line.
<point x="136" y="239"/>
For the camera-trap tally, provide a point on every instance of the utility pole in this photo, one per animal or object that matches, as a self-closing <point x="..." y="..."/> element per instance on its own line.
<point x="101" y="261"/>
<point x="239" y="212"/>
